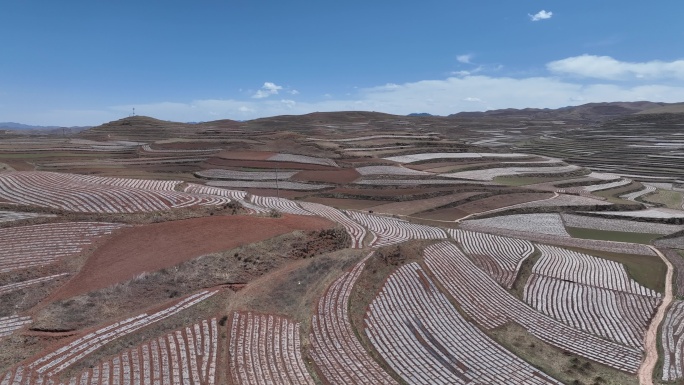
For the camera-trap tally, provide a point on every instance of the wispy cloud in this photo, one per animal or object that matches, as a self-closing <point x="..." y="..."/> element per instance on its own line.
<point x="267" y="90"/>
<point x="541" y="15"/>
<point x="606" y="67"/>
<point x="466" y="59"/>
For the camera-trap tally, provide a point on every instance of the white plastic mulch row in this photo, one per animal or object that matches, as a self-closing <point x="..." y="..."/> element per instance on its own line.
<point x="361" y="149"/>
<point x="563" y="200"/>
<point x="491" y="173"/>
<point x="303" y="159"/>
<point x="607" y="186"/>
<point x="59" y="360"/>
<point x="634" y="195"/>
<point x="38" y="245"/>
<point x="618" y="316"/>
<point x="266" y="349"/>
<point x="672" y="339"/>
<point x="199" y="189"/>
<point x="603" y="176"/>
<point x="180" y="356"/>
<point x="490" y="306"/>
<point x="81" y="193"/>
<point x="452" y="155"/>
<point x="360" y="138"/>
<point x="534" y="223"/>
<point x="285" y="185"/>
<point x="501" y="257"/>
<point x="279" y="204"/>
<point x="335" y="348"/>
<point x="425" y="340"/>
<point x="10" y="287"/>
<point x="388" y="231"/>
<point x="585" y="269"/>
<point x="389" y="170"/>
<point x="623" y="225"/>
<point x="9" y="325"/>
<point x="409" y="182"/>
<point x="654" y="213"/>
<point x="245" y="175"/>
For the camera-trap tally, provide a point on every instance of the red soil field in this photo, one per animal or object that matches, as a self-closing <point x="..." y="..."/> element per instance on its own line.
<point x="148" y="248"/>
<point x="386" y="192"/>
<point x="185" y="146"/>
<point x="245" y="155"/>
<point x="374" y="161"/>
<point x="450" y="214"/>
<point x="337" y="176"/>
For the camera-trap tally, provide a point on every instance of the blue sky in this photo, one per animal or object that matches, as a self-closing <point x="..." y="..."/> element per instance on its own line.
<point x="88" y="62"/>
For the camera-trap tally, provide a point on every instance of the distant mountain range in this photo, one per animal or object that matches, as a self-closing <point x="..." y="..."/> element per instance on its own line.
<point x="585" y="112"/>
<point x="20" y="126"/>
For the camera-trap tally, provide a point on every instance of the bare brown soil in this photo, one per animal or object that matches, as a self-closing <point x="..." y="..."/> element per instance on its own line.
<point x="385" y="192"/>
<point x="428" y="166"/>
<point x="502" y="200"/>
<point x="184" y="146"/>
<point x="18" y="165"/>
<point x="245" y="155"/>
<point x="152" y="247"/>
<point x="342" y="176"/>
<point x="448" y="214"/>
<point x="416" y="206"/>
<point x="219" y="162"/>
<point x="352" y="204"/>
<point x="364" y="160"/>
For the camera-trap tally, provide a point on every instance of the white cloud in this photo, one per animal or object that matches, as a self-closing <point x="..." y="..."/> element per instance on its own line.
<point x="440" y="97"/>
<point x="267" y="90"/>
<point x="605" y="67"/>
<point x="289" y="103"/>
<point x="293" y="92"/>
<point x="541" y="15"/>
<point x="466" y="59"/>
<point x="465" y="92"/>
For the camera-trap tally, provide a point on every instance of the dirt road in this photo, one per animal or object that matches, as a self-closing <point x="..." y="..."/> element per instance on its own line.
<point x="651" y="338"/>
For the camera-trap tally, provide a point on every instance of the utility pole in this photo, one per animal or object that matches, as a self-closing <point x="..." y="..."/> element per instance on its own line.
<point x="277" y="188"/>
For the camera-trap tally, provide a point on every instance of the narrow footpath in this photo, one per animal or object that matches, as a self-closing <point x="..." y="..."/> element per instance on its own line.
<point x="651" y="339"/>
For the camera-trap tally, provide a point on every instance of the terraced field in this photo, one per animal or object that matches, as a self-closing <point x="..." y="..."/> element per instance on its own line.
<point x="78" y="193"/>
<point x="28" y="247"/>
<point x="482" y="299"/>
<point x="342" y="248"/>
<point x="425" y="340"/>
<point x="264" y="349"/>
<point x="635" y="152"/>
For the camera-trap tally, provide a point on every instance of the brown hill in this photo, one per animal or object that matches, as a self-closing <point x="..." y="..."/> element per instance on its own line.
<point x="586" y="112"/>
